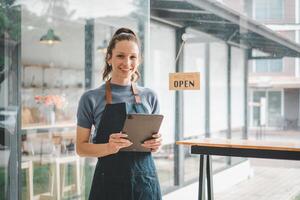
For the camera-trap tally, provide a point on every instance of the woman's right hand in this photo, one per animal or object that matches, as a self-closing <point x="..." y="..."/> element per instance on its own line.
<point x="118" y="141"/>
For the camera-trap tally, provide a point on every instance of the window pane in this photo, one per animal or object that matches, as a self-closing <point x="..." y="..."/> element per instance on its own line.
<point x="268" y="9"/>
<point x="194" y="106"/>
<point x="261" y="65"/>
<point x="275" y="9"/>
<point x="276" y="65"/>
<point x="274" y="108"/>
<point x="261" y="9"/>
<point x="218" y="88"/>
<point x="162" y="54"/>
<point x="55" y="74"/>
<point x="10" y="39"/>
<point x="257" y="96"/>
<point x="237" y="91"/>
<point x="194" y="101"/>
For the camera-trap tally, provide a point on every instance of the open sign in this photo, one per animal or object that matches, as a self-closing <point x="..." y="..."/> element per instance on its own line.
<point x="184" y="81"/>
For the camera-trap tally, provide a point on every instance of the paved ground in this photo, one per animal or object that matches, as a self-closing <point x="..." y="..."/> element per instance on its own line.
<point x="272" y="180"/>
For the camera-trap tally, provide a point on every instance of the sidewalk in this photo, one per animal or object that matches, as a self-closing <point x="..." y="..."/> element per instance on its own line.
<point x="272" y="180"/>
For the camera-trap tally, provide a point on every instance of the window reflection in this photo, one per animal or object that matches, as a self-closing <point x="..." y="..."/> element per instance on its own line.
<point x="162" y="56"/>
<point x="10" y="34"/>
<point x="54" y="76"/>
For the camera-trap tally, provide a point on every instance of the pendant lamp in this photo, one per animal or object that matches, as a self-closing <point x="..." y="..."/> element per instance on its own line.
<point x="50" y="38"/>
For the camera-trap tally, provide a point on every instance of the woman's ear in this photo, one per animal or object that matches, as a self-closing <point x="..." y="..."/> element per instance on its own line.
<point x="108" y="59"/>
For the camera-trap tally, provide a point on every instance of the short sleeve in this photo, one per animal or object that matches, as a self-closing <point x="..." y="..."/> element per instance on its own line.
<point x="155" y="108"/>
<point x="154" y="102"/>
<point x="85" y="112"/>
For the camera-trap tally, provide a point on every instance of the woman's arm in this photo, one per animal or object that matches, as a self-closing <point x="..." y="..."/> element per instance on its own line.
<point x="84" y="148"/>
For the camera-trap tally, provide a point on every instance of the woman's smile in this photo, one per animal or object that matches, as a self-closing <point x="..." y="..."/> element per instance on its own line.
<point x="125" y="69"/>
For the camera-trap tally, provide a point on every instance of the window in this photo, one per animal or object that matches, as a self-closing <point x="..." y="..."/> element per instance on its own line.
<point x="54" y="76"/>
<point x="272" y="109"/>
<point x="162" y="54"/>
<point x="264" y="65"/>
<point x="268" y="9"/>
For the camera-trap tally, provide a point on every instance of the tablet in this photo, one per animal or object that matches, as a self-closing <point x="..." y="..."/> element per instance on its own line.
<point x="140" y="127"/>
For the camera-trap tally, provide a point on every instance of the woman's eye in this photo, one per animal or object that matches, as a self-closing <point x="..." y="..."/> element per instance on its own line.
<point x="133" y="57"/>
<point x="120" y="56"/>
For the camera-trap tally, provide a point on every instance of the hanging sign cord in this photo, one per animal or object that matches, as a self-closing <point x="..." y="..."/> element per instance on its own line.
<point x="180" y="49"/>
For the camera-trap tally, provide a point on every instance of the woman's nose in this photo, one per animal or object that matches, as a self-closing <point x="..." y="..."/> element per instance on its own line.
<point x="126" y="61"/>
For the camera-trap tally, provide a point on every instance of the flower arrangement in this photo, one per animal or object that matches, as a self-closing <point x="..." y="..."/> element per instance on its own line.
<point x="51" y="100"/>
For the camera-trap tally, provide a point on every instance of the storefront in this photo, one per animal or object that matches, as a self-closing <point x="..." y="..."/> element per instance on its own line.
<point x="53" y="51"/>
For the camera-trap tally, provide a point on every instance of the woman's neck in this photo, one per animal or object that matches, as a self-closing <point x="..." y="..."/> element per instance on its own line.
<point x="119" y="81"/>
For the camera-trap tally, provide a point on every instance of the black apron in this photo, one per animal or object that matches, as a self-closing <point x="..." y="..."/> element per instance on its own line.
<point x="124" y="175"/>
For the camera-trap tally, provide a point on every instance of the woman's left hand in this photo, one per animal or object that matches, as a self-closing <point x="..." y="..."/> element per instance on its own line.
<point x="154" y="143"/>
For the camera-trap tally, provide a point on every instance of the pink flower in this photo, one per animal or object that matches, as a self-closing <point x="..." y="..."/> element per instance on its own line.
<point x="49" y="100"/>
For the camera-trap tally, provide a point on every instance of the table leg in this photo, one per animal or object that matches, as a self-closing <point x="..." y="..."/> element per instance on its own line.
<point x="210" y="191"/>
<point x="202" y="176"/>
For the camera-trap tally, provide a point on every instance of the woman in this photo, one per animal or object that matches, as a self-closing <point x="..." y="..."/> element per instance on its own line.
<point x="119" y="175"/>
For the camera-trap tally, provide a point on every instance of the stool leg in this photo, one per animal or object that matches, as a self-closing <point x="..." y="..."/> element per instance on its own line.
<point x="78" y="176"/>
<point x="202" y="176"/>
<point x="210" y="191"/>
<point x="30" y="172"/>
<point x="57" y="174"/>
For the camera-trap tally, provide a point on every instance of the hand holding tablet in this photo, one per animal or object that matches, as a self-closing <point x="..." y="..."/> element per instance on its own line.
<point x="141" y="128"/>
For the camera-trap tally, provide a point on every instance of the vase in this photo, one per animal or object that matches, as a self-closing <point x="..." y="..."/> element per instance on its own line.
<point x="51" y="116"/>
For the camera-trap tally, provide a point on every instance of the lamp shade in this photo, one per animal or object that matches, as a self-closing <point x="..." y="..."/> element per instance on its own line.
<point x="50" y="38"/>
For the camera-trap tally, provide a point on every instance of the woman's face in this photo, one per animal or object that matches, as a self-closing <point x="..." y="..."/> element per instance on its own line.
<point x="124" y="59"/>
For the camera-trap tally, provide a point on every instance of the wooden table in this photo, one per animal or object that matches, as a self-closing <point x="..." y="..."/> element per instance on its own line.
<point x="239" y="148"/>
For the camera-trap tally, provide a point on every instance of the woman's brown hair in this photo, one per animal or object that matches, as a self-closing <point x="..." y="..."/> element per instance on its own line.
<point x="120" y="35"/>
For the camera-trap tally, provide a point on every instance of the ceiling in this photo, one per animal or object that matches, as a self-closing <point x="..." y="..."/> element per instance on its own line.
<point x="215" y="19"/>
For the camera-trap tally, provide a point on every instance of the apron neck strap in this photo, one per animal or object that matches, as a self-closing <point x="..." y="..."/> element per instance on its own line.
<point x="135" y="93"/>
<point x="108" y="96"/>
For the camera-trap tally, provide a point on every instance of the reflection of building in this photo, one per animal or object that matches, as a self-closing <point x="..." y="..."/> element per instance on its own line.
<point x="222" y="44"/>
<point x="276" y="79"/>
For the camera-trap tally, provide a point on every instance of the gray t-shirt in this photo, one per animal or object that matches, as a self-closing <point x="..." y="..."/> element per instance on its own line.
<point x="92" y="102"/>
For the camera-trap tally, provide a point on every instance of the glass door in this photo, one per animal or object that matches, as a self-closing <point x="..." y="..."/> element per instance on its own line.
<point x="10" y="32"/>
<point x="63" y="52"/>
<point x="50" y="53"/>
<point x="274" y="108"/>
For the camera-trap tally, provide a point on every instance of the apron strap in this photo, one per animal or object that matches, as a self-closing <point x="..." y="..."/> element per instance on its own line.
<point x="108" y="96"/>
<point x="135" y="93"/>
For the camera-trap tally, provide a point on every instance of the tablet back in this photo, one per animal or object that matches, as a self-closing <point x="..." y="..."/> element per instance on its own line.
<point x="140" y="127"/>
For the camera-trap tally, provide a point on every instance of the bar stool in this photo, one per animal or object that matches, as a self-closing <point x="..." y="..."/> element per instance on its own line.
<point x="57" y="181"/>
<point x="27" y="165"/>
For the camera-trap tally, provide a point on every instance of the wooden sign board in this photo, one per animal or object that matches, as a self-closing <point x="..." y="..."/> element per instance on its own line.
<point x="184" y="81"/>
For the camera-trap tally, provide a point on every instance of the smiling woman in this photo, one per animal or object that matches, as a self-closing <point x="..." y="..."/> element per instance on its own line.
<point x="119" y="174"/>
